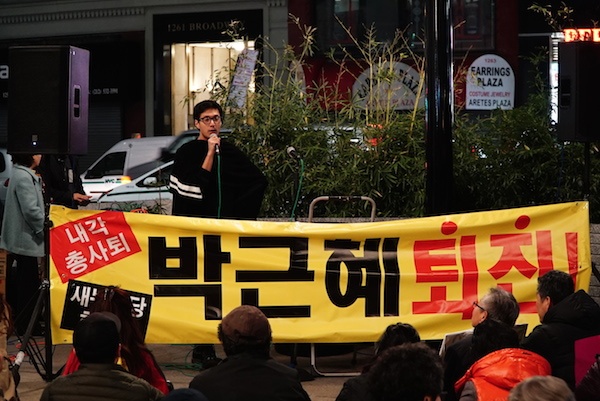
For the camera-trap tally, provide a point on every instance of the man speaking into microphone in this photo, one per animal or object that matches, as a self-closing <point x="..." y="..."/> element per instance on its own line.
<point x="213" y="178"/>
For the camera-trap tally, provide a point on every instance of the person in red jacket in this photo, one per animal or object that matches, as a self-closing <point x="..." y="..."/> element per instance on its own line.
<point x="501" y="365"/>
<point x="135" y="355"/>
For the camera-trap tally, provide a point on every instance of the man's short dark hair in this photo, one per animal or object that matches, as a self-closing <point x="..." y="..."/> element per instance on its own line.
<point x="407" y="372"/>
<point x="96" y="338"/>
<point x="555" y="284"/>
<point x="22" y="159"/>
<point x="492" y="335"/>
<point x="207" y="105"/>
<point x="501" y="305"/>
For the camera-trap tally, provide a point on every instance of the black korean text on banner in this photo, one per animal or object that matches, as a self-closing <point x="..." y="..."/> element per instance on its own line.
<point x="306" y="276"/>
<point x="81" y="295"/>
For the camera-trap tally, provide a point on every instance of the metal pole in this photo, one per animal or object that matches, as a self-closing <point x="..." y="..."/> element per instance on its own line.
<point x="438" y="106"/>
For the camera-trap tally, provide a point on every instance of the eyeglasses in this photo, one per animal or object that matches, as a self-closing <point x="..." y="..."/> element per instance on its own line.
<point x="207" y="119"/>
<point x="479" y="306"/>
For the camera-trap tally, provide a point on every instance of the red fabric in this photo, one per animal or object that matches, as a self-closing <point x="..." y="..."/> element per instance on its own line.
<point x="150" y="372"/>
<point x="497" y="373"/>
<point x="586" y="350"/>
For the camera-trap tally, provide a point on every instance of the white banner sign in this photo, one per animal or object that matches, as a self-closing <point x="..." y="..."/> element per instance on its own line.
<point x="392" y="85"/>
<point x="490" y="84"/>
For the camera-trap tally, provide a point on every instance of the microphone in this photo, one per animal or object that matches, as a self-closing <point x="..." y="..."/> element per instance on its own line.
<point x="291" y="151"/>
<point x="217" y="147"/>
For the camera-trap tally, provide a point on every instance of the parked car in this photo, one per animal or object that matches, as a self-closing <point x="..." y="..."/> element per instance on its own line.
<point x="152" y="186"/>
<point x="168" y="153"/>
<point x="121" y="164"/>
<point x="153" y="183"/>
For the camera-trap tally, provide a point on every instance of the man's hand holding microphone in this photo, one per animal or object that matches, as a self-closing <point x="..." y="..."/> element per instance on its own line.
<point x="214" y="142"/>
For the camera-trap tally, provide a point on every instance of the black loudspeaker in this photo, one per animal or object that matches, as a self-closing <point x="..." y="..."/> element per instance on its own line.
<point x="48" y="91"/>
<point x="579" y="91"/>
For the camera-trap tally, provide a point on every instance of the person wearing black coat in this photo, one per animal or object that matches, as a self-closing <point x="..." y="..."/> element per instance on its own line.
<point x="211" y="177"/>
<point x="566" y="316"/>
<point x="248" y="372"/>
<point x="357" y="388"/>
<point x="62" y="182"/>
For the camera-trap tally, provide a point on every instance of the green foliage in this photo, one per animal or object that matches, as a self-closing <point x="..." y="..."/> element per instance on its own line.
<point x="502" y="159"/>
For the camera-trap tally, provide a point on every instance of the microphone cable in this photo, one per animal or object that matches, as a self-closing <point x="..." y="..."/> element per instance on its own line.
<point x="219" y="187"/>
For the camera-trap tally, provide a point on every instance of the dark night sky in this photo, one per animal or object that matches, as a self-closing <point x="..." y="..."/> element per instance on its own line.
<point x="585" y="12"/>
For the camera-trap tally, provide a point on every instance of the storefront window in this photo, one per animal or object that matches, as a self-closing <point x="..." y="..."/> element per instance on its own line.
<point x="473" y="24"/>
<point x="198" y="72"/>
<point x="340" y="20"/>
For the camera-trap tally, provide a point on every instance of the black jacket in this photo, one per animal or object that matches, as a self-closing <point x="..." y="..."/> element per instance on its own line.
<point x="244" y="377"/>
<point x="457" y="360"/>
<point x="196" y="191"/>
<point x="59" y="183"/>
<point x="575" y="317"/>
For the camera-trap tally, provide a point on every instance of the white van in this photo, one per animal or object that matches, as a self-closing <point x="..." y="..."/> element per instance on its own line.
<point x="118" y="165"/>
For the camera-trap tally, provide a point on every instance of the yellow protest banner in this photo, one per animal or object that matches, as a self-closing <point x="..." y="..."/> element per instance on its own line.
<point x="316" y="282"/>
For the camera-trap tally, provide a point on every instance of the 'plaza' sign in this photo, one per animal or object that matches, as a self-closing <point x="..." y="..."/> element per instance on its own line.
<point x="490" y="84"/>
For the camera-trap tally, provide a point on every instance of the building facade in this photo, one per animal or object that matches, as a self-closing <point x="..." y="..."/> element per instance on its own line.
<point x="145" y="56"/>
<point x="151" y="60"/>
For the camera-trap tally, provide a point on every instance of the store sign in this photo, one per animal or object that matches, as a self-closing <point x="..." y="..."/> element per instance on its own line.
<point x="490" y="84"/>
<point x="582" y="35"/>
<point x="392" y="85"/>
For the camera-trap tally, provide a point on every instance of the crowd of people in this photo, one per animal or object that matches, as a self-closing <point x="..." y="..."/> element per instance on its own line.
<point x="493" y="363"/>
<point x="110" y="359"/>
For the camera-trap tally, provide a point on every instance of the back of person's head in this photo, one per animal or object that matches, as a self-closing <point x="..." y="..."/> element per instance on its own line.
<point x="245" y="329"/>
<point x="204" y="105"/>
<point x="501" y="305"/>
<point x="22" y="159"/>
<point x="407" y="372"/>
<point x="492" y="335"/>
<point x="555" y="284"/>
<point x="118" y="301"/>
<point x="96" y="338"/>
<point x="185" y="394"/>
<point x="541" y="388"/>
<point x="397" y="334"/>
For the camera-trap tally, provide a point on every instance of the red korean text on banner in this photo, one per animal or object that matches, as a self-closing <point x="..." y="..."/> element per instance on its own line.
<point x="85" y="245"/>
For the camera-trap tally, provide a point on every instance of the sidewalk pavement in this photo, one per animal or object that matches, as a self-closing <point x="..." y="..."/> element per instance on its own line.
<point x="175" y="361"/>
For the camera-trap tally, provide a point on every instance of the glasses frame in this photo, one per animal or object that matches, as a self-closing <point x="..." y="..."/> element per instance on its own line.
<point x="207" y="119"/>
<point x="479" y="306"/>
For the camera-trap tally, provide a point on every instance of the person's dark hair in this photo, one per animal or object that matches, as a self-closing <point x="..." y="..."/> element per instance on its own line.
<point x="555" y="284"/>
<point x="206" y="105"/>
<point x="407" y="372"/>
<point x="22" y="159"/>
<point x="96" y="338"/>
<point x="397" y="334"/>
<point x="394" y="334"/>
<point x="118" y="301"/>
<point x="501" y="305"/>
<point x="492" y="335"/>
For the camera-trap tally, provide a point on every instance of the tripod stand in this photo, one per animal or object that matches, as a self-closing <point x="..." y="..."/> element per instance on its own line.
<point x="28" y="344"/>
